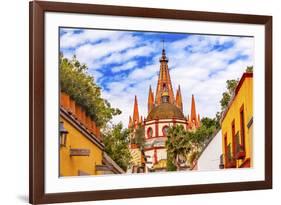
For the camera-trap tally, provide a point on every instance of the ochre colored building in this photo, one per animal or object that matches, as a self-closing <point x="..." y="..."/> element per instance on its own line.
<point x="237" y="126"/>
<point x="164" y="110"/>
<point x="81" y="150"/>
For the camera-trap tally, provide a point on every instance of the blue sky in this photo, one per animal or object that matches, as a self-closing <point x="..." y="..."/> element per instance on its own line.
<point x="126" y="63"/>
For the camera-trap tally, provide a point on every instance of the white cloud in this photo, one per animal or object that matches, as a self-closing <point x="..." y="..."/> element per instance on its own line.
<point x="90" y="53"/>
<point x="127" y="66"/>
<point x="194" y="65"/>
<point x="140" y="49"/>
<point x="144" y="73"/>
<point x="71" y="39"/>
<point x="203" y="74"/>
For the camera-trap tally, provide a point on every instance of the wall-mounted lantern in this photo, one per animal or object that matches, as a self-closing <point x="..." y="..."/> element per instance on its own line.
<point x="63" y="135"/>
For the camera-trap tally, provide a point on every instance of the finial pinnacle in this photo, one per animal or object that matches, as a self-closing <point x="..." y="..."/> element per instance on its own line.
<point x="163" y="57"/>
<point x="163" y="50"/>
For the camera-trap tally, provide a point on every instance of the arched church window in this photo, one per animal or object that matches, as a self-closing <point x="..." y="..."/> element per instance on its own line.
<point x="149" y="132"/>
<point x="164" y="87"/>
<point x="165" y="130"/>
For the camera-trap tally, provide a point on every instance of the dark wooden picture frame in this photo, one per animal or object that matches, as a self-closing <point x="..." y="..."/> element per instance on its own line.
<point x="37" y="10"/>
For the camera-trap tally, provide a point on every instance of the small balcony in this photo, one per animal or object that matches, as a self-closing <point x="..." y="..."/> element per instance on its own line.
<point x="230" y="161"/>
<point x="240" y="152"/>
<point x="240" y="149"/>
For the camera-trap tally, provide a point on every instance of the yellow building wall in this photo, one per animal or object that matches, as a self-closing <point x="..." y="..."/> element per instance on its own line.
<point x="243" y="97"/>
<point x="69" y="165"/>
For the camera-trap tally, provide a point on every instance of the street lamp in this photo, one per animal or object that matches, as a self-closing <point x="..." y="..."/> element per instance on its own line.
<point x="63" y="134"/>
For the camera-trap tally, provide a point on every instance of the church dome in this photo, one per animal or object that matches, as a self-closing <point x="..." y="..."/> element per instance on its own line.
<point x="165" y="111"/>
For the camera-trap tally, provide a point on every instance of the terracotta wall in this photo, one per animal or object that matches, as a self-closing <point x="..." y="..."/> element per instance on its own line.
<point x="79" y="114"/>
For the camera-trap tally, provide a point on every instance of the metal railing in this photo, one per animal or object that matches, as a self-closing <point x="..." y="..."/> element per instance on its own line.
<point x="228" y="153"/>
<point x="239" y="148"/>
<point x="230" y="160"/>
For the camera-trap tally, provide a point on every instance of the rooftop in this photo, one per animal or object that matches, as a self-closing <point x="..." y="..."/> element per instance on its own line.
<point x="165" y="111"/>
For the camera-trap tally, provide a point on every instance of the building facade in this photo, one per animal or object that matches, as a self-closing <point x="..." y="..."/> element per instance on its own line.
<point x="237" y="126"/>
<point x="81" y="151"/>
<point x="164" y="110"/>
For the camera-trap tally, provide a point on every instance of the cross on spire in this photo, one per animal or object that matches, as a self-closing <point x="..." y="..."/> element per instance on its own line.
<point x="163" y="57"/>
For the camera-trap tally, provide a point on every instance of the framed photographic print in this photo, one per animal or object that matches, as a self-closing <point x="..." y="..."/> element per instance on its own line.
<point x="139" y="102"/>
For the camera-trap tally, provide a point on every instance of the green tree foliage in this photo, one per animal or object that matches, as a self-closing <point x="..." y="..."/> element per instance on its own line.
<point x="226" y="96"/>
<point x="116" y="141"/>
<point x="249" y="69"/>
<point x="170" y="162"/>
<point x="225" y="100"/>
<point x="80" y="86"/>
<point x="193" y="155"/>
<point x="208" y="122"/>
<point x="218" y="117"/>
<point x="178" y="146"/>
<point x="138" y="136"/>
<point x="231" y="86"/>
<point x="202" y="134"/>
<point x="187" y="144"/>
<point x="213" y="123"/>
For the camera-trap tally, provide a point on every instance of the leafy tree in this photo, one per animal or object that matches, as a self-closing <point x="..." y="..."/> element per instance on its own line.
<point x="226" y="96"/>
<point x="198" y="139"/>
<point x="187" y="144"/>
<point x="80" y="86"/>
<point x="139" y="136"/>
<point x="116" y="141"/>
<point x="218" y="117"/>
<point x="193" y="155"/>
<point x="202" y="134"/>
<point x="170" y="162"/>
<point x="249" y="69"/>
<point x="178" y="146"/>
<point x="208" y="122"/>
<point x="211" y="122"/>
<point x="231" y="85"/>
<point x="225" y="100"/>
